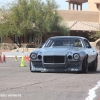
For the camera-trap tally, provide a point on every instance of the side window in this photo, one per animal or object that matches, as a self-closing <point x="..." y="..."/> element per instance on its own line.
<point x="87" y="44"/>
<point x="49" y="43"/>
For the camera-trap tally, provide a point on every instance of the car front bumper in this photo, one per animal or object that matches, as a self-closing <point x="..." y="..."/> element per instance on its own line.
<point x="56" y="67"/>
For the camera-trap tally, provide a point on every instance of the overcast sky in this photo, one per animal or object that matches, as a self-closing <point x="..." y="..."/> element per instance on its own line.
<point x="63" y="5"/>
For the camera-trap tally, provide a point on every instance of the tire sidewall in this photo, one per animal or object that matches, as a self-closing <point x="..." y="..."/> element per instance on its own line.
<point x="95" y="64"/>
<point x="85" y="65"/>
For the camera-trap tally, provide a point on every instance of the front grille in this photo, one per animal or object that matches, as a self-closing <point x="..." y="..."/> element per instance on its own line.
<point x="37" y="63"/>
<point x="54" y="59"/>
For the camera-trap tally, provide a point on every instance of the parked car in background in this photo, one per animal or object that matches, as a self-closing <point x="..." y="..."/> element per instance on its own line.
<point x="63" y="54"/>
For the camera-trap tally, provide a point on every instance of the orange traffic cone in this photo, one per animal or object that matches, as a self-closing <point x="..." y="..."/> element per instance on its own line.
<point x="28" y="59"/>
<point x="1" y="59"/>
<point x="25" y="58"/>
<point x="4" y="58"/>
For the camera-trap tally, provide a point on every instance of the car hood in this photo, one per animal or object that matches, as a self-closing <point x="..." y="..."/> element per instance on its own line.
<point x="58" y="51"/>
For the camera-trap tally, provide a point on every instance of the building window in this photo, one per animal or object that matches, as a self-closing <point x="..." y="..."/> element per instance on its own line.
<point x="31" y="38"/>
<point x="98" y="6"/>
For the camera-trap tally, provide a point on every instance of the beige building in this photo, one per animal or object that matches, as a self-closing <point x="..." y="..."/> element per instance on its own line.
<point x="79" y="21"/>
<point x="93" y="5"/>
<point x="75" y="12"/>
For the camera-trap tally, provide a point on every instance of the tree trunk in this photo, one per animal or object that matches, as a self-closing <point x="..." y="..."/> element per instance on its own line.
<point x="19" y="41"/>
<point x="40" y="38"/>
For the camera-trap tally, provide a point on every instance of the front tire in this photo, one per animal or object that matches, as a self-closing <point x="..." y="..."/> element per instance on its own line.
<point x="30" y="67"/>
<point x="85" y="65"/>
<point x="93" y="67"/>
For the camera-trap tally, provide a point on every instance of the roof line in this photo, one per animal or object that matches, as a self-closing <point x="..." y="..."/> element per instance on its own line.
<point x="73" y="24"/>
<point x="90" y="25"/>
<point x="96" y="28"/>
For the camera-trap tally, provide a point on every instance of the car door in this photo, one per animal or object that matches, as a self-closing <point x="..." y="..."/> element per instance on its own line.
<point x="90" y="51"/>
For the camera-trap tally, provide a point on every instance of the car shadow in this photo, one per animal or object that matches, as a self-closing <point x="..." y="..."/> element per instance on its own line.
<point x="93" y="72"/>
<point x="90" y="72"/>
<point x="72" y="72"/>
<point x="62" y="72"/>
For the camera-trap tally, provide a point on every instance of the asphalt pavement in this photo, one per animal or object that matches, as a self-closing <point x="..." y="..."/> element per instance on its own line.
<point x="18" y="83"/>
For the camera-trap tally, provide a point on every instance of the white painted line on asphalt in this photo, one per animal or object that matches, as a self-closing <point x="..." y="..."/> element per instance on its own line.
<point x="92" y="93"/>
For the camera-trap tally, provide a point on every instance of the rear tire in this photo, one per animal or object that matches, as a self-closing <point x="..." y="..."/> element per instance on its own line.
<point x="85" y="66"/>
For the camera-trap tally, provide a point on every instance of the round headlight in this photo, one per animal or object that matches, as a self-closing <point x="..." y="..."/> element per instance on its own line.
<point x="33" y="55"/>
<point x="76" y="56"/>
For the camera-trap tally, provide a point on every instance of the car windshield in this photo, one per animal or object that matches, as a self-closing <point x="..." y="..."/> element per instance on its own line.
<point x="63" y="42"/>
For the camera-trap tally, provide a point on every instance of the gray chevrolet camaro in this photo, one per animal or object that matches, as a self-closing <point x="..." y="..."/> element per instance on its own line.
<point x="64" y="54"/>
